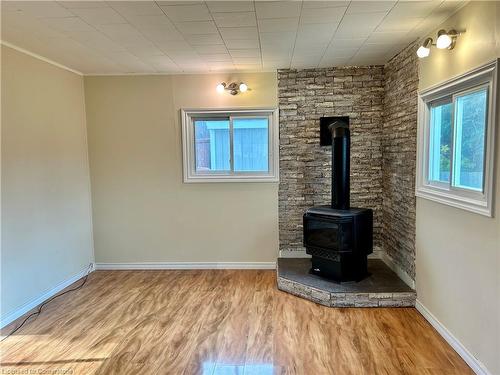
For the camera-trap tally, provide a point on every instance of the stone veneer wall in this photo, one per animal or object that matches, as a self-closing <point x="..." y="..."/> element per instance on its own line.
<point x="382" y="105"/>
<point x="305" y="167"/>
<point x="399" y="150"/>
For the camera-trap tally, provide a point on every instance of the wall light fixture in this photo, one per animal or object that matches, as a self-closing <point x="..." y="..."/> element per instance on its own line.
<point x="233" y="87"/>
<point x="425" y="49"/>
<point x="445" y="40"/>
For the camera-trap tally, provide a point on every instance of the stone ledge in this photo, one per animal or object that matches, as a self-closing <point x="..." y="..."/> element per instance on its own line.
<point x="382" y="288"/>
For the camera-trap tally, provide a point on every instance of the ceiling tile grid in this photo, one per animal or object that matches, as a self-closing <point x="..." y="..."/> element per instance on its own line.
<point x="127" y="37"/>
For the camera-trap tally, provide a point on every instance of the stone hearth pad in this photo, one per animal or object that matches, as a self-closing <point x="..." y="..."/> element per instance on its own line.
<point x="383" y="288"/>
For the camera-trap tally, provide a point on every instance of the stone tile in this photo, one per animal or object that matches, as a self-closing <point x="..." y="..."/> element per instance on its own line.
<point x="294" y="277"/>
<point x="381" y="102"/>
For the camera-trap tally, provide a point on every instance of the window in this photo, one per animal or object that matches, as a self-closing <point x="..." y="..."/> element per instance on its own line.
<point x="456" y="141"/>
<point x="237" y="145"/>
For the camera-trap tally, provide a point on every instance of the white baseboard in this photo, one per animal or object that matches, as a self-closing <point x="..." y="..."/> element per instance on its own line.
<point x="9" y="318"/>
<point x="393" y="266"/>
<point x="462" y="351"/>
<point x="187" y="266"/>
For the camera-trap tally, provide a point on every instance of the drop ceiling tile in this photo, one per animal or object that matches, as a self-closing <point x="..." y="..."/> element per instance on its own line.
<point x="200" y="40"/>
<point x="195" y="68"/>
<point x="322" y="15"/>
<point x="307" y="42"/>
<point x="395" y="24"/>
<point x="210" y="50"/>
<point x="183" y="13"/>
<point x="304" y="64"/>
<point x="245" y="52"/>
<point x="341" y="52"/>
<point x="144" y="49"/>
<point x="160" y="62"/>
<point x="231" y="33"/>
<point x="174" y="45"/>
<point x="197" y="28"/>
<point x="276" y="64"/>
<point x="369" y="50"/>
<point x="333" y="61"/>
<point x="38" y="9"/>
<point x="426" y="26"/>
<point x="230" y="6"/>
<point x="217" y="66"/>
<point x="277" y="37"/>
<point x="359" y="25"/>
<point x="240" y="19"/>
<point x="347" y="43"/>
<point x="149" y="20"/>
<point x="82" y="4"/>
<point x="450" y="6"/>
<point x="356" y="7"/>
<point x="249" y="67"/>
<point x="136" y="8"/>
<point x="308" y="52"/>
<point x="386" y="37"/>
<point x="247" y="60"/>
<point x="217" y="57"/>
<point x="131" y="40"/>
<point x="182" y="2"/>
<point x="242" y="44"/>
<point x="273" y="54"/>
<point x="97" y="41"/>
<point x="363" y="61"/>
<point x="122" y="33"/>
<point x="135" y="66"/>
<point x="308" y="4"/>
<point x="161" y="35"/>
<point x="278" y="25"/>
<point x="99" y="16"/>
<point x="417" y="9"/>
<point x="277" y="9"/>
<point x="68" y="24"/>
<point x="180" y="56"/>
<point x="317" y="30"/>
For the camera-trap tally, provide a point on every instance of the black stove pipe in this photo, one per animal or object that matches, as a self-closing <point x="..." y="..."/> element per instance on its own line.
<point x="341" y="155"/>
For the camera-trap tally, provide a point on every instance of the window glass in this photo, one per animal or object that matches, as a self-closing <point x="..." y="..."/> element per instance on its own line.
<point x="440" y="142"/>
<point x="212" y="147"/>
<point x="251" y="144"/>
<point x="470" y="129"/>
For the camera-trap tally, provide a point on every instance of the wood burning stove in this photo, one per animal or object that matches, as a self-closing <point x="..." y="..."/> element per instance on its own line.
<point x="339" y="238"/>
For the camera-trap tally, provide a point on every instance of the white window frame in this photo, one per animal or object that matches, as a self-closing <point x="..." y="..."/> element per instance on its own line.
<point x="480" y="202"/>
<point x="188" y="146"/>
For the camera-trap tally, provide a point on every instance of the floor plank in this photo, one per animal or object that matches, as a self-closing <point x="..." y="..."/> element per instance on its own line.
<point x="215" y="322"/>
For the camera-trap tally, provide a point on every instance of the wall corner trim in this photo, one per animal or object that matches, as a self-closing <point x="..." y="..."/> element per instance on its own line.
<point x="39" y="57"/>
<point x="9" y="318"/>
<point x="187" y="266"/>
<point x="461" y="350"/>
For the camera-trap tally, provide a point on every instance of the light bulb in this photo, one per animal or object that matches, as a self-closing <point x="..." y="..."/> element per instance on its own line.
<point x="243" y="87"/>
<point x="444" y="40"/>
<point x="220" y="88"/>
<point x="423" y="51"/>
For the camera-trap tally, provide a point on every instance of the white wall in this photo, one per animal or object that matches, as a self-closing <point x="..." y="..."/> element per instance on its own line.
<point x="458" y="252"/>
<point x="46" y="216"/>
<point x="142" y="210"/>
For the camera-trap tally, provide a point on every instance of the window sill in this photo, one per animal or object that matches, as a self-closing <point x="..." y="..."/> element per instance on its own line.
<point x="480" y="207"/>
<point x="219" y="179"/>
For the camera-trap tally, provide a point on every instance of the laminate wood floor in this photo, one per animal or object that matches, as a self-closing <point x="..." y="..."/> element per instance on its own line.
<point x="218" y="322"/>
